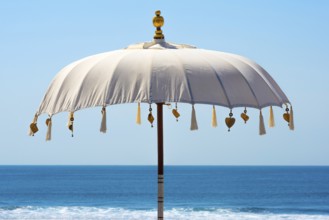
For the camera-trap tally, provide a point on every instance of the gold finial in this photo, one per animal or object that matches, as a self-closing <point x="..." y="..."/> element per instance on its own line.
<point x="158" y="22"/>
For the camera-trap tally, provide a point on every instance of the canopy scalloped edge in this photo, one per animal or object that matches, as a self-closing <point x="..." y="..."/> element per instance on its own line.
<point x="167" y="102"/>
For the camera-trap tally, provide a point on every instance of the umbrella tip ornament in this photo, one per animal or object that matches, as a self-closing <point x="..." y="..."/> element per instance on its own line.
<point x="158" y="22"/>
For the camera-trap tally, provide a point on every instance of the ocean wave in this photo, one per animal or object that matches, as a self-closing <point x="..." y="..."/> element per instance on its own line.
<point x="102" y="213"/>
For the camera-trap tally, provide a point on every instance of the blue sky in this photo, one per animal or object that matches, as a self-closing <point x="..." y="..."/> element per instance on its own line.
<point x="288" y="38"/>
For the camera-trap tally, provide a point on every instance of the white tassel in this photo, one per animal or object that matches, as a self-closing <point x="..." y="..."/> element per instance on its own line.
<point x="138" y="116"/>
<point x="262" y="130"/>
<point x="291" y="119"/>
<point x="103" y="124"/>
<point x="214" y="117"/>
<point x="271" y="122"/>
<point x="49" y="124"/>
<point x="194" y="123"/>
<point x="34" y="124"/>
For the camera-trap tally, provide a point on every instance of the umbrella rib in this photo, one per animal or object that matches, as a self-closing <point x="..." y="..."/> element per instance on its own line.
<point x="58" y="94"/>
<point x="50" y="87"/>
<point x="78" y="94"/>
<point x="186" y="78"/>
<point x="220" y="82"/>
<point x="109" y="81"/>
<point x="244" y="78"/>
<point x="151" y="79"/>
<point x="262" y="77"/>
<point x="67" y="108"/>
<point x="106" y="94"/>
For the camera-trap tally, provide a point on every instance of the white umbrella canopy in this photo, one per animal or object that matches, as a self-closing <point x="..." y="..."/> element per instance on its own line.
<point x="162" y="72"/>
<point x="158" y="73"/>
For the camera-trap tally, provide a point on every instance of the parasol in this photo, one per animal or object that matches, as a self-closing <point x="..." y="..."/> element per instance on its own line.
<point x="161" y="73"/>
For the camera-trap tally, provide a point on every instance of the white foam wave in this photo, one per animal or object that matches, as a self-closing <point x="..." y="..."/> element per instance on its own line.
<point x="93" y="213"/>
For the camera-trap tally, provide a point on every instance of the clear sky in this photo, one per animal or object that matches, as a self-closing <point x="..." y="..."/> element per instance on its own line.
<point x="290" y="39"/>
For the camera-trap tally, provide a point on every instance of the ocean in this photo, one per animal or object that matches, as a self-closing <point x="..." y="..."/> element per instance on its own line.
<point x="191" y="192"/>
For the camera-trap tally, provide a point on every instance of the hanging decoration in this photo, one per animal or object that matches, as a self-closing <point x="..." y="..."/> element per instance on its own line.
<point x="33" y="126"/>
<point x="286" y="116"/>
<point x="271" y="122"/>
<point x="49" y="125"/>
<point x="230" y="120"/>
<point x="244" y="116"/>
<point x="150" y="117"/>
<point x="214" y="117"/>
<point x="103" y="123"/>
<point x="175" y="112"/>
<point x="291" y="119"/>
<point x="70" y="122"/>
<point x="262" y="130"/>
<point x="138" y="116"/>
<point x="194" y="123"/>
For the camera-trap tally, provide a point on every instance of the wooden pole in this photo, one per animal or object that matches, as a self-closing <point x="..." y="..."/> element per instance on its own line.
<point x="160" y="161"/>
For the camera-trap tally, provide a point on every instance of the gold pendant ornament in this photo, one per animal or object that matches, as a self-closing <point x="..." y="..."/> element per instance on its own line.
<point x="150" y="117"/>
<point x="244" y="116"/>
<point x="286" y="116"/>
<point x="48" y="121"/>
<point x="175" y="112"/>
<point x="70" y="123"/>
<point x="34" y="128"/>
<point x="230" y="121"/>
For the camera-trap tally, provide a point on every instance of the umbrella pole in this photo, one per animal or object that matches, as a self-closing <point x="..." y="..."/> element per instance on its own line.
<point x="160" y="161"/>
